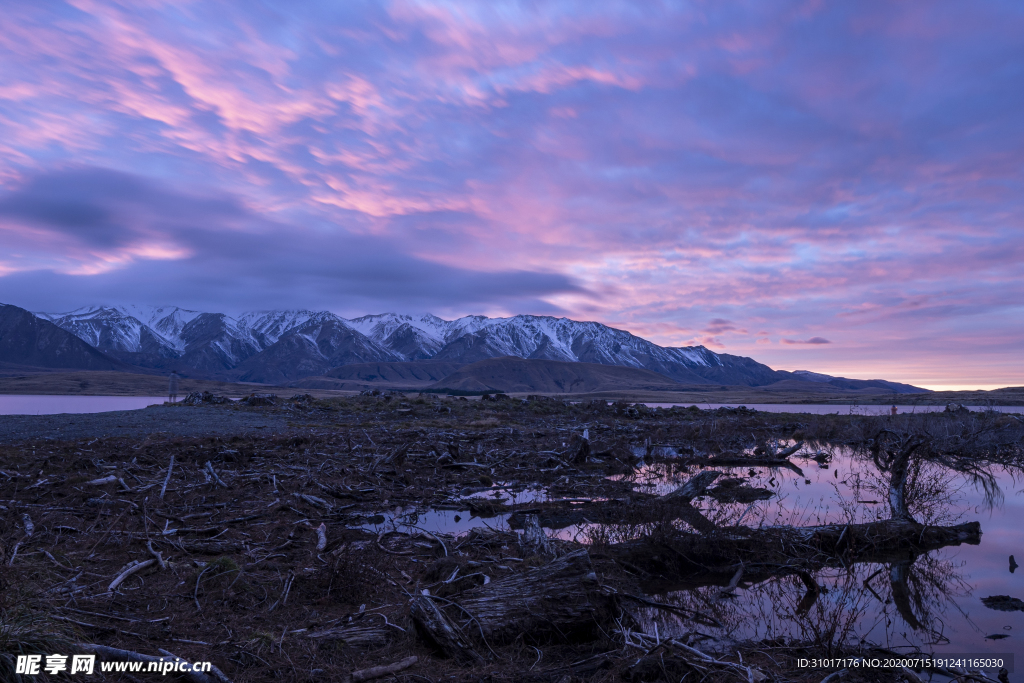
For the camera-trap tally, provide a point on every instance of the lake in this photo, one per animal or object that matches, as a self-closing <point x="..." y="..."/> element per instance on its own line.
<point x="54" y="405"/>
<point x="825" y="409"/>
<point x="948" y="585"/>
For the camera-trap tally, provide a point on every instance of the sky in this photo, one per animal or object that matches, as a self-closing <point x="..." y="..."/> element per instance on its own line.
<point x="834" y="187"/>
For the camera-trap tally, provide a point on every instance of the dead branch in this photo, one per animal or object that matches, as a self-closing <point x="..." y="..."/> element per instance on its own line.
<point x="694" y="487"/>
<point x="128" y="572"/>
<point x="167" y="479"/>
<point x="157" y="555"/>
<point x="384" y="670"/>
<point x="560" y="600"/>
<point x="356" y="636"/>
<point x="216" y="478"/>
<point x="321" y="536"/>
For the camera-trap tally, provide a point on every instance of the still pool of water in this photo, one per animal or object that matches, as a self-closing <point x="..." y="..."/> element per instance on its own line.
<point x="54" y="405"/>
<point x="827" y="409"/>
<point x="946" y="586"/>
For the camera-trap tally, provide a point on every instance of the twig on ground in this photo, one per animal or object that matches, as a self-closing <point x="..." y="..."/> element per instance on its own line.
<point x="157" y="555"/>
<point x="128" y="572"/>
<point x="384" y="670"/>
<point x="167" y="479"/>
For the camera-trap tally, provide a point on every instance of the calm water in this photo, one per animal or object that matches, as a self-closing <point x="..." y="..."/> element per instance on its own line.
<point x="54" y="405"/>
<point x="819" y="409"/>
<point x="948" y="584"/>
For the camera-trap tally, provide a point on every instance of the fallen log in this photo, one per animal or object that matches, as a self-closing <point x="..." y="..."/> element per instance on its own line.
<point x="435" y="628"/>
<point x="356" y="636"/>
<point x="786" y="452"/>
<point x="687" y="559"/>
<point x="692" y="488"/>
<point x="675" y="504"/>
<point x="558" y="601"/>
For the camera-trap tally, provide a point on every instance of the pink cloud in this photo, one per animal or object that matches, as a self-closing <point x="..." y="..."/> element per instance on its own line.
<point x="702" y="173"/>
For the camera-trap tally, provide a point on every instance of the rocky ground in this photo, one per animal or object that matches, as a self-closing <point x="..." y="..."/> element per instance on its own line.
<point x="260" y="537"/>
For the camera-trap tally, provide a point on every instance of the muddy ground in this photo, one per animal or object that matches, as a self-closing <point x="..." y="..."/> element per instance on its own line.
<point x="268" y="549"/>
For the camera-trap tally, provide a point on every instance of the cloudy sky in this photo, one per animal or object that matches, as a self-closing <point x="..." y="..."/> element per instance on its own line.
<point x="825" y="186"/>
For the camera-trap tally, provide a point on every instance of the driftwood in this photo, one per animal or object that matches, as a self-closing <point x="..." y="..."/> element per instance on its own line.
<point x="675" y="504"/>
<point x="167" y="479"/>
<point x="392" y="459"/>
<point x="723" y="461"/>
<point x="690" y="559"/>
<point x="578" y="450"/>
<point x="356" y="636"/>
<point x="786" y="452"/>
<point x="533" y="537"/>
<point x="694" y="658"/>
<point x="434" y="627"/>
<point x="692" y="488"/>
<point x="583" y="669"/>
<point x="556" y="601"/>
<point x="898" y="541"/>
<point x="213" y="474"/>
<point x="128" y="572"/>
<point x="321" y="537"/>
<point x="383" y="670"/>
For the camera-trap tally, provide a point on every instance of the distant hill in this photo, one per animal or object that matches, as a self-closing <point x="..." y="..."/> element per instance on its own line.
<point x="510" y="374"/>
<point x="303" y="348"/>
<point x="875" y="385"/>
<point x="26" y="340"/>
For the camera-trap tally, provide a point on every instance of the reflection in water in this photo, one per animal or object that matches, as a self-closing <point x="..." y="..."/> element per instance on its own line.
<point x="849" y="489"/>
<point x="835" y="408"/>
<point x="929" y="602"/>
<point x="906" y="605"/>
<point x="898" y="599"/>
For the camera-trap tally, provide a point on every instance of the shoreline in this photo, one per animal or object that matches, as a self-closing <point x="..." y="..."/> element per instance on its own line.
<point x="92" y="383"/>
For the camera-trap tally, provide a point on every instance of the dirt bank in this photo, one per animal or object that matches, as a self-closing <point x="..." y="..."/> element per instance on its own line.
<point x="265" y="538"/>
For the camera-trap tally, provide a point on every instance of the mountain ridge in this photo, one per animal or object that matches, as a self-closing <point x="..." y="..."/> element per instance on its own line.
<point x="275" y="346"/>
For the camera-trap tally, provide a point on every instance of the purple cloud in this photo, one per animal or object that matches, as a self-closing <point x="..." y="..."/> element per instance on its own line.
<point x="774" y="167"/>
<point x="127" y="239"/>
<point x="812" y="340"/>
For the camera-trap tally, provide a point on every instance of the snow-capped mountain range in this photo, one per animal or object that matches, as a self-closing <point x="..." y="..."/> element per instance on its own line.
<point x="278" y="345"/>
<point x="283" y="346"/>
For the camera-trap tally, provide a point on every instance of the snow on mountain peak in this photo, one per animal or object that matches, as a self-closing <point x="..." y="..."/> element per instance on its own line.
<point x="215" y="338"/>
